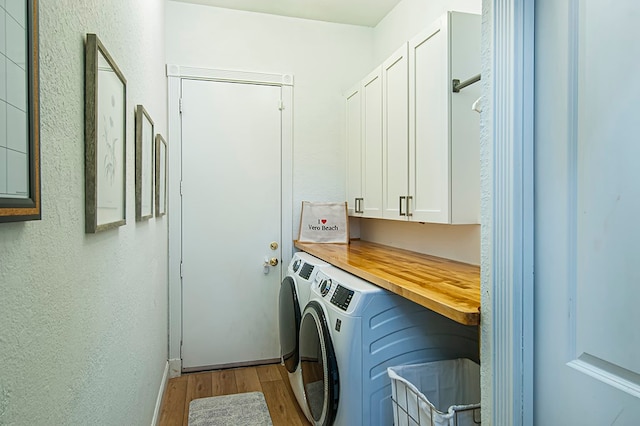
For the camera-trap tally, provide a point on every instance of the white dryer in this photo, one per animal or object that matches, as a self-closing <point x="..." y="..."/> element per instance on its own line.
<point x="351" y="331"/>
<point x="294" y="295"/>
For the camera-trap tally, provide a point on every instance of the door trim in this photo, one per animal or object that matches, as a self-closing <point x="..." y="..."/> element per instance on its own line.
<point x="511" y="255"/>
<point x="175" y="75"/>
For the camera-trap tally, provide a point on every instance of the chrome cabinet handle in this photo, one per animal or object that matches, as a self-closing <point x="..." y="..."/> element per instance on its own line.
<point x="358" y="207"/>
<point x="409" y="198"/>
<point x="402" y="198"/>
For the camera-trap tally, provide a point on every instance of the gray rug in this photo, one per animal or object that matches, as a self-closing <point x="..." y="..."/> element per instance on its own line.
<point x="248" y="409"/>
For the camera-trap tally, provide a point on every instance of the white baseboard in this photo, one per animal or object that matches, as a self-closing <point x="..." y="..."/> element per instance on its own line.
<point x="175" y="368"/>
<point x="163" y="386"/>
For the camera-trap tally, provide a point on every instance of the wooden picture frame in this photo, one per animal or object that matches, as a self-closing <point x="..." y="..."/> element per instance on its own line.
<point x="162" y="165"/>
<point x="20" y="111"/>
<point x="145" y="153"/>
<point x="105" y="139"/>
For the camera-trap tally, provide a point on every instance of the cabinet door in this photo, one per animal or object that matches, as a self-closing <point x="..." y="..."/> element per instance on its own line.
<point x="354" y="150"/>
<point x="372" y="144"/>
<point x="429" y="148"/>
<point x="395" y="139"/>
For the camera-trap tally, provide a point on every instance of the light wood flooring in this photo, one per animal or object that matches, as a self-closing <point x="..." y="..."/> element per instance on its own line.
<point x="271" y="380"/>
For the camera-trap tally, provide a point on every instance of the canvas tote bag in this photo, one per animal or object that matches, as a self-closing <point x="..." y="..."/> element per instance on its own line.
<point x="324" y="223"/>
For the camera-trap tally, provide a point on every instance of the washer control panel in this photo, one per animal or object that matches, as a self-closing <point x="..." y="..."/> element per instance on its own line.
<point x="342" y="297"/>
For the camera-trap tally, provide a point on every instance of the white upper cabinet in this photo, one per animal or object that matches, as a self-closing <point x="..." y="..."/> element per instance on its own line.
<point x="371" y="203"/>
<point x="364" y="147"/>
<point x="395" y="128"/>
<point x="444" y="132"/>
<point x="418" y="140"/>
<point x="354" y="151"/>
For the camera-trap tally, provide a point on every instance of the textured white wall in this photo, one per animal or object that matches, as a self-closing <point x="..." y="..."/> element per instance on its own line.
<point x="83" y="317"/>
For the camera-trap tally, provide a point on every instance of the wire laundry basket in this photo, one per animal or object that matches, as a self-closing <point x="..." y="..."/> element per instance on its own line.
<point x="452" y="389"/>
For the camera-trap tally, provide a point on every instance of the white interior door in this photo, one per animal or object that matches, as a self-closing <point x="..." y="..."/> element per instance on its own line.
<point x="587" y="197"/>
<point x="231" y="213"/>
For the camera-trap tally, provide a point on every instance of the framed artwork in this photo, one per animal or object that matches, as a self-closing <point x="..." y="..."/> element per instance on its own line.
<point x="162" y="163"/>
<point x="105" y="139"/>
<point x="145" y="151"/>
<point x="19" y="112"/>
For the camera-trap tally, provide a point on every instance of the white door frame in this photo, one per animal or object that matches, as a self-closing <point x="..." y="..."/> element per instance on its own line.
<point x="175" y="74"/>
<point x="512" y="235"/>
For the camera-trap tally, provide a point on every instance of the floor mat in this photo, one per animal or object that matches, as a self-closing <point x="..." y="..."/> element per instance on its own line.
<point x="248" y="409"/>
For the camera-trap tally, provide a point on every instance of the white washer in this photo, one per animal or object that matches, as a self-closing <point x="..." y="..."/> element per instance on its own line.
<point x="294" y="295"/>
<point x="351" y="331"/>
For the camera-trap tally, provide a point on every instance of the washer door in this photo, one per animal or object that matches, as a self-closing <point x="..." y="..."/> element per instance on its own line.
<point x="289" y="321"/>
<point x="319" y="365"/>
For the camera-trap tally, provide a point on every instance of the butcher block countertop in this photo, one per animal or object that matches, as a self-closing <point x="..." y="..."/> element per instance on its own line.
<point x="445" y="286"/>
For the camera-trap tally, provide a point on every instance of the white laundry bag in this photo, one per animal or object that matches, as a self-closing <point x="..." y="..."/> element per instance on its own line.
<point x="325" y="222"/>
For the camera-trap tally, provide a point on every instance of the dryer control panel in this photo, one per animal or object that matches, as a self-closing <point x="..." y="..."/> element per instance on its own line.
<point x="306" y="271"/>
<point x="342" y="297"/>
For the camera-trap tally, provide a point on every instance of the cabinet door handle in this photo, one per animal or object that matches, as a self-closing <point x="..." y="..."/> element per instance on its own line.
<point x="402" y="198"/>
<point x="358" y="205"/>
<point x="409" y="198"/>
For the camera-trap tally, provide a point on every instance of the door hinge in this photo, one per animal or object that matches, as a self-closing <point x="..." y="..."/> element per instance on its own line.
<point x="180" y="105"/>
<point x="180" y="269"/>
<point x="181" y="188"/>
<point x="180" y="349"/>
<point x="281" y="105"/>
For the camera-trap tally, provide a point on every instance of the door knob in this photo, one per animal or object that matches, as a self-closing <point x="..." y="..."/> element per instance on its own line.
<point x="269" y="262"/>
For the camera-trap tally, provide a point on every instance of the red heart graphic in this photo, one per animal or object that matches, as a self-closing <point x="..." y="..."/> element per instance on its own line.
<point x="324" y="221"/>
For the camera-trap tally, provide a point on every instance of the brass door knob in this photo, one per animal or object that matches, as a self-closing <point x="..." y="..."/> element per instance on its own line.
<point x="273" y="261"/>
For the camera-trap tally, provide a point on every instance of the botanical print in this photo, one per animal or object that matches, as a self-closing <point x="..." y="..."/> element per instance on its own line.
<point x="147" y="167"/>
<point x="161" y="176"/>
<point x="110" y="162"/>
<point x="110" y="152"/>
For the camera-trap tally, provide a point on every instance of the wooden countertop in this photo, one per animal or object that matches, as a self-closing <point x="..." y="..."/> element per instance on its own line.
<point x="445" y="286"/>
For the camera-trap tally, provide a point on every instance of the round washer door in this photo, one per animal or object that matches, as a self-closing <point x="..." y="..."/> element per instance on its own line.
<point x="289" y="322"/>
<point x="319" y="366"/>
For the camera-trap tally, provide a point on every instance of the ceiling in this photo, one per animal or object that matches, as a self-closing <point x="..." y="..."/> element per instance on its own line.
<point x="356" y="12"/>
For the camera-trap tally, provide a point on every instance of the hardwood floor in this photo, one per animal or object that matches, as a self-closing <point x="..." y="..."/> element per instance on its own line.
<point x="271" y="380"/>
